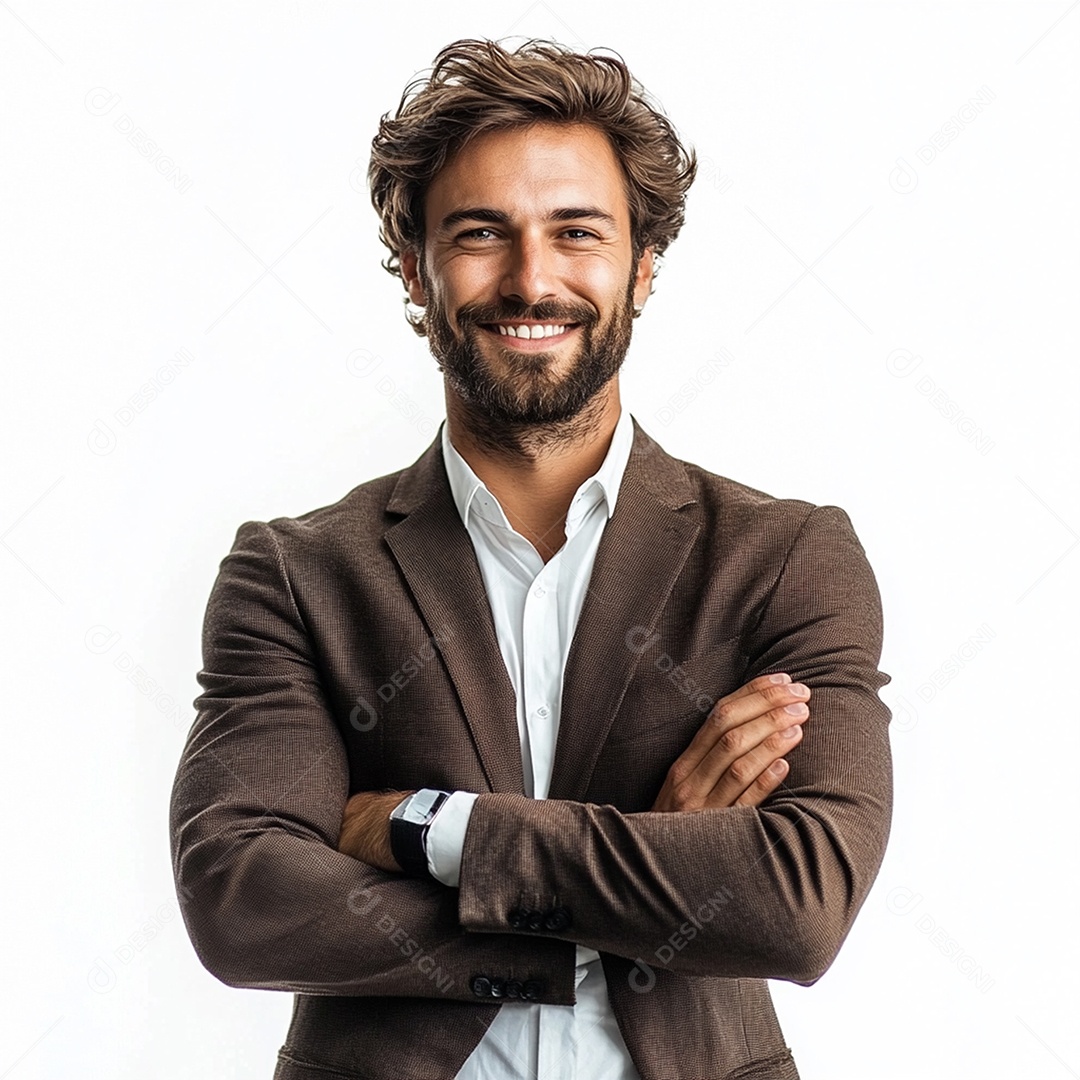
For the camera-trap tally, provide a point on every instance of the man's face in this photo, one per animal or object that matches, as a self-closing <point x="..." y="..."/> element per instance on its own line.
<point x="529" y="228"/>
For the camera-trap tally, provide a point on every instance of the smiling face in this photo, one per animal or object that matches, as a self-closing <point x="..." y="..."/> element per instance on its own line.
<point x="528" y="275"/>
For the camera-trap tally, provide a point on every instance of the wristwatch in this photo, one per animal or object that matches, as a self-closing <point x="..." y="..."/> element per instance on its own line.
<point x="409" y="824"/>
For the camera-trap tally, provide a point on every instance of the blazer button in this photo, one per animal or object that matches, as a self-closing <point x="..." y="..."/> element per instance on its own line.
<point x="498" y="988"/>
<point x="517" y="918"/>
<point x="557" y="918"/>
<point x="531" y="990"/>
<point x="481" y="986"/>
<point x="513" y="988"/>
<point x="536" y="920"/>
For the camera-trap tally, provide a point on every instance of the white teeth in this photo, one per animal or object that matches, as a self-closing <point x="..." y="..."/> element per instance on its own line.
<point x="530" y="332"/>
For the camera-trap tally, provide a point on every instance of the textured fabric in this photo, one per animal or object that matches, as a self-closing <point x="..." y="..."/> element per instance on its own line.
<point x="352" y="648"/>
<point x="535" y="608"/>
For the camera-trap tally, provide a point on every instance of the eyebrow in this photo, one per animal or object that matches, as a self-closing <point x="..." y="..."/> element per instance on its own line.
<point x="499" y="217"/>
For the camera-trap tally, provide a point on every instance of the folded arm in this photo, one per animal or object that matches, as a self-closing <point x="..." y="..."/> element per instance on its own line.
<point x="255" y="816"/>
<point x="781" y="883"/>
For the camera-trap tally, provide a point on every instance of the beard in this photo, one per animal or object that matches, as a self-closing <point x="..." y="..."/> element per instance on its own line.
<point x="521" y="392"/>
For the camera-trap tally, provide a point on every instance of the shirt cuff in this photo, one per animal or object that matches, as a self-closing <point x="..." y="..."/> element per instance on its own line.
<point x="446" y="837"/>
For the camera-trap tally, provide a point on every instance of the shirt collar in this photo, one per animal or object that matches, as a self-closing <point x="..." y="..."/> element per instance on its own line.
<point x="471" y="493"/>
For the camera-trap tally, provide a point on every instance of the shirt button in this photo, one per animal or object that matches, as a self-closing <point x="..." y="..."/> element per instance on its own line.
<point x="542" y="711"/>
<point x="539" y="590"/>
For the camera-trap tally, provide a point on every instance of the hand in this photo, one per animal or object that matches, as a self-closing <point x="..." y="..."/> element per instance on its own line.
<point x="736" y="758"/>
<point x="365" y="828"/>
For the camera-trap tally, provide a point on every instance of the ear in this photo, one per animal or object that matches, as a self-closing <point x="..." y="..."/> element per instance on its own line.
<point x="410" y="272"/>
<point x="643" y="277"/>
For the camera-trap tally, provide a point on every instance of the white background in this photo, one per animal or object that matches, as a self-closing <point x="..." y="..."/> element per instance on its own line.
<point x="837" y="270"/>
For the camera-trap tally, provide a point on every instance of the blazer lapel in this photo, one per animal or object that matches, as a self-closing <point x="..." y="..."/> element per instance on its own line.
<point x="436" y="556"/>
<point x="641" y="554"/>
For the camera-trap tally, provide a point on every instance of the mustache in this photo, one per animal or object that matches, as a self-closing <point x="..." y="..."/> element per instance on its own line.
<point x="549" y="312"/>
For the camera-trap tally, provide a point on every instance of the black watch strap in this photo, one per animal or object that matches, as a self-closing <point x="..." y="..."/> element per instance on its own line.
<point x="409" y="824"/>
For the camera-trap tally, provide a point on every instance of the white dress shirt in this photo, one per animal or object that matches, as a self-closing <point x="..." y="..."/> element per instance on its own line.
<point x="535" y="608"/>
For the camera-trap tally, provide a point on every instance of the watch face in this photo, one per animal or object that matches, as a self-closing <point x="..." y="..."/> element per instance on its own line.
<point x="419" y="806"/>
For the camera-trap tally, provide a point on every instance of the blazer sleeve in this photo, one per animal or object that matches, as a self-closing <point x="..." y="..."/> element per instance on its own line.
<point x="255" y="814"/>
<point x="748" y="892"/>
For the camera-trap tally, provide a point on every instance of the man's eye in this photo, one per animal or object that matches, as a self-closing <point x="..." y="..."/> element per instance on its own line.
<point x="583" y="234"/>
<point x="474" y="234"/>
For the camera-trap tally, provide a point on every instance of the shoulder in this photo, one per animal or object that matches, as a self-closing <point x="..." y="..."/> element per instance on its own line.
<point x="353" y="524"/>
<point x="737" y="515"/>
<point x="741" y="506"/>
<point x="720" y="498"/>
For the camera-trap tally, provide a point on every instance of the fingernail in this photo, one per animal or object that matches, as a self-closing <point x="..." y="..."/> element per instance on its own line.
<point x="791" y="732"/>
<point x="779" y="679"/>
<point x="797" y="709"/>
<point x="778" y="767"/>
<point x="799" y="689"/>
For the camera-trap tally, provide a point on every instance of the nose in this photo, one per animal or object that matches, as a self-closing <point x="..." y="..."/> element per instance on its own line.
<point x="530" y="274"/>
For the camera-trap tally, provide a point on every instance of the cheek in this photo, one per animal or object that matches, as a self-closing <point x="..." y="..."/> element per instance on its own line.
<point x="468" y="283"/>
<point x="596" y="279"/>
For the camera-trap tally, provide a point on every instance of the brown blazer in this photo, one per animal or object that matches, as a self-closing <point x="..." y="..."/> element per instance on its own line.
<point x="352" y="648"/>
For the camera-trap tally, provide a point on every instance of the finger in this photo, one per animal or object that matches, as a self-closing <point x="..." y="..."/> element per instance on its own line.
<point x="734" y="711"/>
<point x="764" y="785"/>
<point x="759" y="685"/>
<point x="696" y="786"/>
<point x="746" y="770"/>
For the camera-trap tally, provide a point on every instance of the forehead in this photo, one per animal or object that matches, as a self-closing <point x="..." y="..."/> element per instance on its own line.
<point x="529" y="170"/>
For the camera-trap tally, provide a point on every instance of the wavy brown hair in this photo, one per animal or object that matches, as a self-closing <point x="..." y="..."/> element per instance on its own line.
<point x="477" y="86"/>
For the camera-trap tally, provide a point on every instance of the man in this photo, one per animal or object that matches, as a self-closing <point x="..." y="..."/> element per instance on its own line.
<point x="504" y="763"/>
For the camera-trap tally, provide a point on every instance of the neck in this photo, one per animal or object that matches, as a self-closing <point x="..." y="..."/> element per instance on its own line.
<point x="535" y="470"/>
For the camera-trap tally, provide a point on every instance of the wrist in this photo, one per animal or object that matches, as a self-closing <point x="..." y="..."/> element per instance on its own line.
<point x="409" y="821"/>
<point x="364" y="832"/>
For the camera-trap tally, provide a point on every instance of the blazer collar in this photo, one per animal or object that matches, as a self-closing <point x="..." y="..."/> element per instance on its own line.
<point x="641" y="554"/>
<point x="649" y="464"/>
